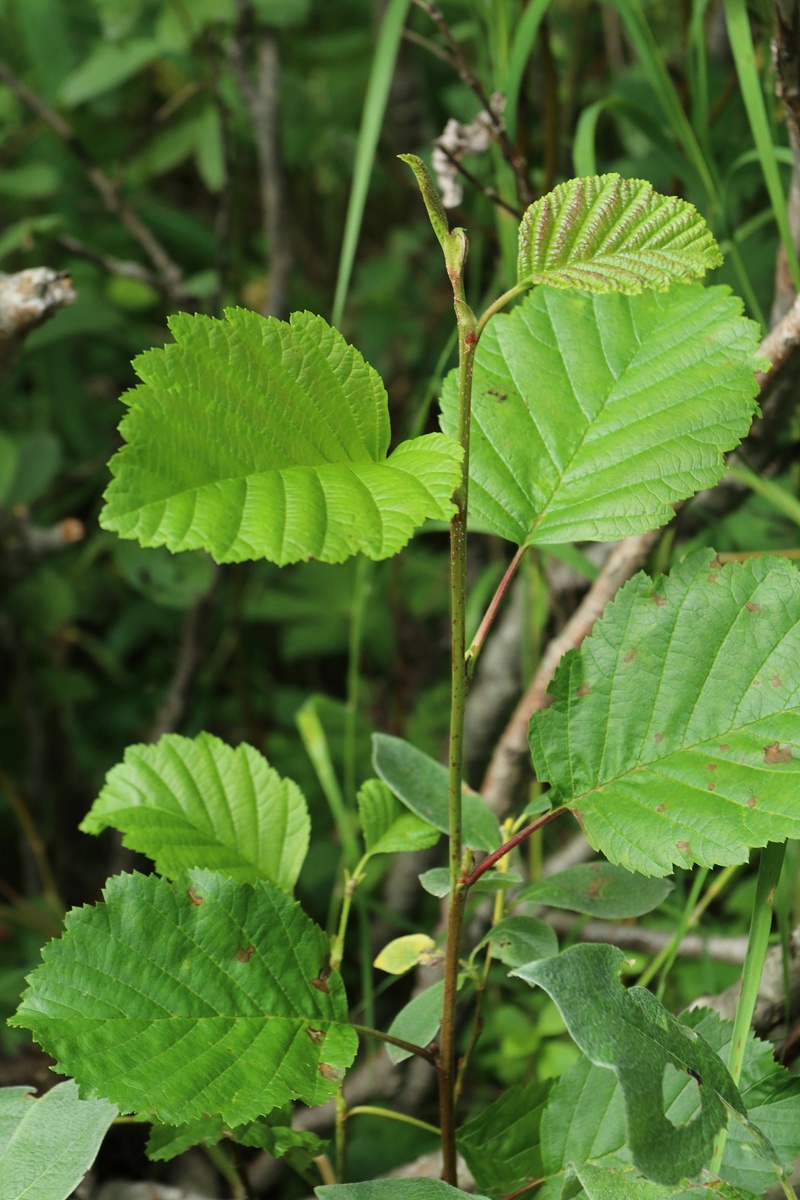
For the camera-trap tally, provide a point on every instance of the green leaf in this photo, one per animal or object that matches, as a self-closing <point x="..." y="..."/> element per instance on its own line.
<point x="436" y="882"/>
<point x="519" y="940"/>
<point x="392" y="1189"/>
<point x="48" y="1145"/>
<point x="175" y="581"/>
<point x="632" y="1033"/>
<point x="417" y="1022"/>
<point x="403" y="953"/>
<point x="422" y="785"/>
<point x="585" y="1117"/>
<point x="501" y="1144"/>
<point x="108" y="65"/>
<point x="255" y="438"/>
<point x="598" y="889"/>
<point x="607" y="234"/>
<point x="271" y="1133"/>
<point x="605" y="1184"/>
<point x="592" y="415"/>
<point x="701" y="761"/>
<point x="209" y="996"/>
<point x="388" y="828"/>
<point x="196" y="802"/>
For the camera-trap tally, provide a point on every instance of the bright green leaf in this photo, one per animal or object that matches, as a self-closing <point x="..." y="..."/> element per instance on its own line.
<point x="598" y="889"/>
<point x="196" y="802"/>
<point x="607" y="234"/>
<point x="387" y="826"/>
<point x="165" y="995"/>
<point x="700" y="761"/>
<point x="392" y="1189"/>
<point x="519" y="940"/>
<point x="592" y="415"/>
<point x="632" y="1033"/>
<point x="48" y="1145"/>
<point x="422" y="785"/>
<point x="501" y="1144"/>
<point x="403" y="953"/>
<point x="256" y="438"/>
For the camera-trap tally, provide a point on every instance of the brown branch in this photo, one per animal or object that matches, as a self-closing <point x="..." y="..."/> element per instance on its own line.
<point x="168" y="270"/>
<point x="262" y="100"/>
<point x="112" y="266"/>
<point x="514" y="160"/>
<point x="511" y="754"/>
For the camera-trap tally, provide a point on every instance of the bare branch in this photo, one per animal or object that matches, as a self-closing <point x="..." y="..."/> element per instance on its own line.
<point x="27" y="300"/>
<point x="169" y="271"/>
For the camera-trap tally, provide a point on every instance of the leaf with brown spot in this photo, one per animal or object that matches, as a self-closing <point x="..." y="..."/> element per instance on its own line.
<point x="698" y="680"/>
<point x="776" y="753"/>
<point x="245" y="954"/>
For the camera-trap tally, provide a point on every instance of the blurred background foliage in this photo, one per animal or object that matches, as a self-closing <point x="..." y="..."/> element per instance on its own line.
<point x="130" y="158"/>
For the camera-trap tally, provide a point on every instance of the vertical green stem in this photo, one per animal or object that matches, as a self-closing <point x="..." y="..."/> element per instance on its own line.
<point x="467" y="341"/>
<point x="769" y="872"/>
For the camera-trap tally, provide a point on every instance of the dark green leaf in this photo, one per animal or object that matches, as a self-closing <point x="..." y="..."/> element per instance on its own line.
<point x="422" y="785"/>
<point x="163" y="995"/>
<point x="501" y="1145"/>
<point x="598" y="889"/>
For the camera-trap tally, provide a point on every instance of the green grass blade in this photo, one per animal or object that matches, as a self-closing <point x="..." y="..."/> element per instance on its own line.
<point x="521" y="48"/>
<point x="377" y="96"/>
<point x="744" y="56"/>
<point x="781" y="500"/>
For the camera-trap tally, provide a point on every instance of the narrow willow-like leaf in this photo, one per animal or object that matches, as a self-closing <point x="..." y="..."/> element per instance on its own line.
<point x="421" y="784"/>
<point x="256" y="438"/>
<point x="675" y="735"/>
<point x="593" y="415"/>
<point x="631" y="1032"/>
<point x="608" y="234"/>
<point x="387" y="826"/>
<point x="48" y="1145"/>
<point x="196" y="802"/>
<point x="598" y="889"/>
<point x="206" y="996"/>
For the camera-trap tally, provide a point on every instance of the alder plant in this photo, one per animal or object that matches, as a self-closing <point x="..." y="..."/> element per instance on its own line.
<point x="202" y="998"/>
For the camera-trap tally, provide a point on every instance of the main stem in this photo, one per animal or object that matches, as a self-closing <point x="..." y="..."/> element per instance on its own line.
<point x="467" y="341"/>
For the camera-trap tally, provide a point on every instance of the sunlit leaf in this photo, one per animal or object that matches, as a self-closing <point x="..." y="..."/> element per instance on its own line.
<point x="605" y="234"/>
<point x="196" y="802"/>
<point x="257" y="438"/>
<point x="593" y="415"/>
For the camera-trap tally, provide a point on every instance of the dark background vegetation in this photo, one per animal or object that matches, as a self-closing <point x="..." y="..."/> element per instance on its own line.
<point x="102" y="643"/>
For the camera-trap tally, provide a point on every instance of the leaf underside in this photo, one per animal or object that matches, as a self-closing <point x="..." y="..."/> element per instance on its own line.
<point x="257" y="438"/>
<point x="593" y="415"/>
<point x="48" y="1145"/>
<point x="605" y="233"/>
<point x="584" y="1121"/>
<point x="632" y="1033"/>
<point x="196" y="802"/>
<point x="685" y="704"/>
<point x="209" y="996"/>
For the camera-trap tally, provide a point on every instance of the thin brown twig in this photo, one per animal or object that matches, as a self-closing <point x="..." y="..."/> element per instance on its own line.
<point x="489" y="192"/>
<point x="111" y="265"/>
<point x="511" y="753"/>
<point x="514" y="160"/>
<point x="167" y="269"/>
